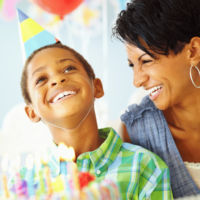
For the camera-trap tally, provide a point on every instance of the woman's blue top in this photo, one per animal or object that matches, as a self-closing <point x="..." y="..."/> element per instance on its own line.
<point x="147" y="127"/>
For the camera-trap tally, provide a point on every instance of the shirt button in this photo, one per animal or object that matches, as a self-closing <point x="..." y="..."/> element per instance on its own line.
<point x="98" y="172"/>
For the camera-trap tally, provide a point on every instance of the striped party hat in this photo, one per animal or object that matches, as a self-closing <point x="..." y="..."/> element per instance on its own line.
<point x="33" y="36"/>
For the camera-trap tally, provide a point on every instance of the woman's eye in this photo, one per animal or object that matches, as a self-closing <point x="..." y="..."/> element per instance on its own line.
<point x="40" y="79"/>
<point x="145" y="61"/>
<point x="131" y="65"/>
<point x="70" y="68"/>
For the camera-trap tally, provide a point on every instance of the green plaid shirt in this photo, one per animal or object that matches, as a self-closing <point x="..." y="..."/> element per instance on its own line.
<point x="139" y="173"/>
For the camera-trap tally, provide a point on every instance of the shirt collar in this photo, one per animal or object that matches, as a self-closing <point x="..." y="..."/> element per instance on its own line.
<point x="101" y="158"/>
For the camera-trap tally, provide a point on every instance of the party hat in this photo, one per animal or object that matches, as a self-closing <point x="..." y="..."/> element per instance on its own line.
<point x="33" y="36"/>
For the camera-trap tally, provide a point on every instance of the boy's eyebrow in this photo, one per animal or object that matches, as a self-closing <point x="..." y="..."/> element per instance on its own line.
<point x="38" y="70"/>
<point x="65" y="59"/>
<point x="43" y="67"/>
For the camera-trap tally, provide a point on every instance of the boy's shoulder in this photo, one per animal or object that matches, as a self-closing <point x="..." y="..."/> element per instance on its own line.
<point x="142" y="154"/>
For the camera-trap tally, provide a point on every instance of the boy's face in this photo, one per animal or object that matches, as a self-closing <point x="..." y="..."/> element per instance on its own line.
<point x="59" y="86"/>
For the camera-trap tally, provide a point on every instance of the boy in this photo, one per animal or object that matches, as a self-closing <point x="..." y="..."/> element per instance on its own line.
<point x="59" y="88"/>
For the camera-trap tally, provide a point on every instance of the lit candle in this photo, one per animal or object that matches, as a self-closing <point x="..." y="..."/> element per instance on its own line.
<point x="38" y="164"/>
<point x="4" y="165"/>
<point x="30" y="175"/>
<point x="45" y="160"/>
<point x="18" y="183"/>
<point x="63" y="151"/>
<point x="72" y="168"/>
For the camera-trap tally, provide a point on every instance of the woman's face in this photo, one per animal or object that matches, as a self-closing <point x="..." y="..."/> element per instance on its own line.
<point x="166" y="78"/>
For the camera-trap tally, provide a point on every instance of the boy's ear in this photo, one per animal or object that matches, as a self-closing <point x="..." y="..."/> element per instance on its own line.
<point x="195" y="51"/>
<point x="98" y="88"/>
<point x="31" y="114"/>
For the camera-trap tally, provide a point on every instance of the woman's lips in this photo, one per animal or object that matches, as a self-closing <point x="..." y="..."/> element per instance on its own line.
<point x="153" y="97"/>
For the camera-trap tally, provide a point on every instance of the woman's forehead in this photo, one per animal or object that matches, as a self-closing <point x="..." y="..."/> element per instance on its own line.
<point x="133" y="50"/>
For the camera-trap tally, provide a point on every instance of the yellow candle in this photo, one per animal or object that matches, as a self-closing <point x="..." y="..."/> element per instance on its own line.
<point x="30" y="175"/>
<point x="38" y="165"/>
<point x="45" y="160"/>
<point x="75" y="179"/>
<point x="4" y="165"/>
<point x="63" y="152"/>
<point x="18" y="185"/>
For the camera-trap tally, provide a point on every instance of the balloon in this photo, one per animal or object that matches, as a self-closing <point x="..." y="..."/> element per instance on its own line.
<point x="59" y="7"/>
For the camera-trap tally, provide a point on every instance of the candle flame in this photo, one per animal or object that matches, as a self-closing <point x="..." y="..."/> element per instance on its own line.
<point x="45" y="157"/>
<point x="4" y="162"/>
<point x="29" y="162"/>
<point x="62" y="151"/>
<point x="17" y="161"/>
<point x="71" y="154"/>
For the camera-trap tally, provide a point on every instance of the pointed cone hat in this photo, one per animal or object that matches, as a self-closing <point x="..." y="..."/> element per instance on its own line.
<point x="33" y="36"/>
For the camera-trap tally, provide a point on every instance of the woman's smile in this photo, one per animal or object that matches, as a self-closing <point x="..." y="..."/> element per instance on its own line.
<point x="154" y="92"/>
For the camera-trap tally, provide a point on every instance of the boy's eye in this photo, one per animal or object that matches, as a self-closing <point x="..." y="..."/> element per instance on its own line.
<point x="40" y="79"/>
<point x="69" y="68"/>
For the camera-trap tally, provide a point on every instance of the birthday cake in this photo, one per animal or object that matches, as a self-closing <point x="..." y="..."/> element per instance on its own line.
<point x="35" y="181"/>
<point x="89" y="189"/>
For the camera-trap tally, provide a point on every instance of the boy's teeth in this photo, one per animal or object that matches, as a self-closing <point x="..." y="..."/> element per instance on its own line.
<point x="61" y="95"/>
<point x="66" y="93"/>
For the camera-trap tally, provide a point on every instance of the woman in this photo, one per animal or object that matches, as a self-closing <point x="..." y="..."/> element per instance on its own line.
<point x="162" y="40"/>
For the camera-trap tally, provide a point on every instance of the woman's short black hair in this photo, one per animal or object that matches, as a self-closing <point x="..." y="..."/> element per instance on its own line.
<point x="163" y="24"/>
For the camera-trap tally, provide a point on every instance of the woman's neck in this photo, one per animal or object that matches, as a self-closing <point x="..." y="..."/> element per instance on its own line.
<point x="184" y="125"/>
<point x="184" y="116"/>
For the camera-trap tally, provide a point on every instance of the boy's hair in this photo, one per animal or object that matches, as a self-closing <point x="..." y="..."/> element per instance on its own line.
<point x="24" y="85"/>
<point x="163" y="24"/>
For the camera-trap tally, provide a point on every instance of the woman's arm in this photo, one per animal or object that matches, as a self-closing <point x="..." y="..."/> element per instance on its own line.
<point x="123" y="133"/>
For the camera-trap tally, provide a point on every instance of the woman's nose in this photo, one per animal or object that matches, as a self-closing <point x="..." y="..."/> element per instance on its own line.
<point x="58" y="80"/>
<point x="139" y="77"/>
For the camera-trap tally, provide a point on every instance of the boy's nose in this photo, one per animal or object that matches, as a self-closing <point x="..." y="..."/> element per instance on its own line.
<point x="55" y="82"/>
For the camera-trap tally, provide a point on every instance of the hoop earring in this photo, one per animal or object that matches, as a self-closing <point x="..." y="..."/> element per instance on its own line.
<point x="191" y="75"/>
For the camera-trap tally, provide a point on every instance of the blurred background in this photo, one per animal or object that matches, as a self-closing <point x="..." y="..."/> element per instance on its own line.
<point x="86" y="26"/>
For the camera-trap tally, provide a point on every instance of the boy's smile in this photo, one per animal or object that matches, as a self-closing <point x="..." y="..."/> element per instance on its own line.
<point x="59" y="86"/>
<point x="59" y="96"/>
